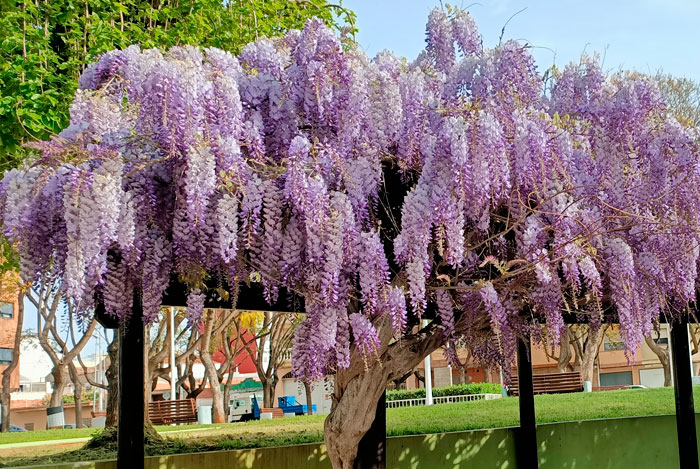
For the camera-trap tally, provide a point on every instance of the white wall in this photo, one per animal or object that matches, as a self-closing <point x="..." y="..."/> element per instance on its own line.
<point x="652" y="377"/>
<point x="34" y="363"/>
<point x="320" y="393"/>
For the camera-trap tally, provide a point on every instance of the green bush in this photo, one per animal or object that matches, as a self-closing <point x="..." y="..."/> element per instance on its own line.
<point x="454" y="390"/>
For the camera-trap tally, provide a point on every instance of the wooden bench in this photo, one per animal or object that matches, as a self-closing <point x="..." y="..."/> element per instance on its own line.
<point x="276" y="411"/>
<point x="175" y="411"/>
<point x="551" y="383"/>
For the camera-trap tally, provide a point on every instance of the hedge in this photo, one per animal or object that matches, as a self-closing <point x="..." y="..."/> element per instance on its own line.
<point x="454" y="390"/>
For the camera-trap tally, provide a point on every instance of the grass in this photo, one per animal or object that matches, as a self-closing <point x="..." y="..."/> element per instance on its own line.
<point x="48" y="435"/>
<point x="404" y="421"/>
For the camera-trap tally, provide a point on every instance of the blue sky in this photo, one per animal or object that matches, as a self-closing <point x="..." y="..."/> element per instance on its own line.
<point x="645" y="35"/>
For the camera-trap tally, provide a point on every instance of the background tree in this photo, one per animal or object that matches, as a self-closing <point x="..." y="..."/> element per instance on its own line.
<point x="578" y="349"/>
<point x="682" y="97"/>
<point x="273" y="333"/>
<point x="61" y="349"/>
<point x="662" y="354"/>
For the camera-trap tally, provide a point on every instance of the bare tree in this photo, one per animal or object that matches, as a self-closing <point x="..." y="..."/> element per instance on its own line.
<point x="62" y="351"/>
<point x="682" y="97"/>
<point x="211" y="318"/>
<point x="578" y="350"/>
<point x="275" y="332"/>
<point x="662" y="354"/>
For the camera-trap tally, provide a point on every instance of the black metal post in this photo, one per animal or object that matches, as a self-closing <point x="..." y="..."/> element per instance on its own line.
<point x="371" y="452"/>
<point x="526" y="441"/>
<point x="130" y="450"/>
<point x="683" y="390"/>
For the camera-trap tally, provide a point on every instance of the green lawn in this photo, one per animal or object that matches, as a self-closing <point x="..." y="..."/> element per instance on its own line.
<point x="405" y="421"/>
<point x="47" y="435"/>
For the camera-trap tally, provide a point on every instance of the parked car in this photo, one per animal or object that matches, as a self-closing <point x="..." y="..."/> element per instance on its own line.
<point x="635" y="386"/>
<point x="15" y="428"/>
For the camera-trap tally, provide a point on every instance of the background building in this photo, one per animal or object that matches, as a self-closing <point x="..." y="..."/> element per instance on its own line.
<point x="8" y="328"/>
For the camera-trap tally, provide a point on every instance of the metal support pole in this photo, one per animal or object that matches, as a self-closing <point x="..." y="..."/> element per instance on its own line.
<point x="526" y="441"/>
<point x="428" y="376"/>
<point x="683" y="389"/>
<point x="371" y="452"/>
<point x="173" y="369"/>
<point x="428" y="382"/>
<point x="130" y="451"/>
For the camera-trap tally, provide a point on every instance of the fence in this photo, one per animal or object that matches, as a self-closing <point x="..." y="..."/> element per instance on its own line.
<point x="441" y="400"/>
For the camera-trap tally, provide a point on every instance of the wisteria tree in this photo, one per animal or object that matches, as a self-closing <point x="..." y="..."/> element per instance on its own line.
<point x="461" y="188"/>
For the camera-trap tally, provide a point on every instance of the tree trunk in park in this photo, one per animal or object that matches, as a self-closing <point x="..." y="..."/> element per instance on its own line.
<point x="487" y="373"/>
<point x="309" y="388"/>
<point x="60" y="379"/>
<point x="461" y="376"/>
<point x="590" y="352"/>
<point x="7" y="372"/>
<point x="112" y="375"/>
<point x="227" y="391"/>
<point x="662" y="354"/>
<point x="208" y="362"/>
<point x="269" y="386"/>
<point x="564" y="360"/>
<point x="77" y="395"/>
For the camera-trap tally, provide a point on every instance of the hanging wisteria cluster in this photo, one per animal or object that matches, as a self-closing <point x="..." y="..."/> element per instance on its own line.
<point x="280" y="166"/>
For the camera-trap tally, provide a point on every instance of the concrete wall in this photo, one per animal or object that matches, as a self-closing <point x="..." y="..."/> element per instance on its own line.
<point x="36" y="417"/>
<point x="639" y="442"/>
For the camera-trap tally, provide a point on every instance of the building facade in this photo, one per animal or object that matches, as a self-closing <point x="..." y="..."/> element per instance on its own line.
<point x="8" y="327"/>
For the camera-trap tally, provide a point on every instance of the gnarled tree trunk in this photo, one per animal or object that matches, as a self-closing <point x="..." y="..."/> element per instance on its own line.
<point x="358" y="388"/>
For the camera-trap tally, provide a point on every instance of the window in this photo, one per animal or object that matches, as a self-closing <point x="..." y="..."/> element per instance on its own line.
<point x="29" y="426"/>
<point x="662" y="340"/>
<point x="621" y="378"/>
<point x="5" y="356"/>
<point x="609" y="345"/>
<point x="6" y="310"/>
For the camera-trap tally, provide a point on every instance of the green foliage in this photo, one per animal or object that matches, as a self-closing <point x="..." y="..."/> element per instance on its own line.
<point x="9" y="259"/>
<point x="45" y="45"/>
<point x="454" y="390"/>
<point x="86" y="397"/>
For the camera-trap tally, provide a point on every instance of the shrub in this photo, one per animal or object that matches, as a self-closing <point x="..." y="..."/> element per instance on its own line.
<point x="454" y="390"/>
